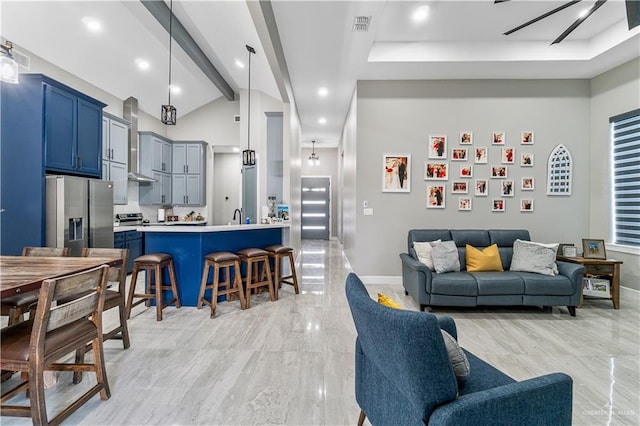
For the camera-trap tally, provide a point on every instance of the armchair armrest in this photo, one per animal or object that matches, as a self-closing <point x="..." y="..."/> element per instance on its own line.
<point x="573" y="271"/>
<point x="540" y="401"/>
<point x="448" y="324"/>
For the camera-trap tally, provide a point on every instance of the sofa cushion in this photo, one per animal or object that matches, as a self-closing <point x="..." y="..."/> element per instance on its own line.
<point x="424" y="251"/>
<point x="545" y="285"/>
<point x="426" y="235"/>
<point x="458" y="359"/>
<point x="454" y="284"/>
<point x="498" y="283"/>
<point x="385" y="300"/>
<point x="487" y="259"/>
<point x="482" y="376"/>
<point x="534" y="257"/>
<point x="445" y="257"/>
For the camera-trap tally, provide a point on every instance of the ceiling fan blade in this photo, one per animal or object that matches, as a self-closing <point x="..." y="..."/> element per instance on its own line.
<point x="551" y="12"/>
<point x="633" y="13"/>
<point x="579" y="21"/>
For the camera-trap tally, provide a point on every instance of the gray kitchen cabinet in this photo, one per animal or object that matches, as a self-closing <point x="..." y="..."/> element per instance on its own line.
<point x="156" y="193"/>
<point x="189" y="173"/>
<point x="115" y="155"/>
<point x="154" y="160"/>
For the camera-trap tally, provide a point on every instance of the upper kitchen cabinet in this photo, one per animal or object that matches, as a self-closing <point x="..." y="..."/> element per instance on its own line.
<point x="189" y="173"/>
<point x="154" y="159"/>
<point x="43" y="122"/>
<point x="115" y="155"/>
<point x="72" y="128"/>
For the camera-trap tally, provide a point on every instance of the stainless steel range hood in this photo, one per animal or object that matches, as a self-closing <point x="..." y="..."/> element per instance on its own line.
<point x="130" y="113"/>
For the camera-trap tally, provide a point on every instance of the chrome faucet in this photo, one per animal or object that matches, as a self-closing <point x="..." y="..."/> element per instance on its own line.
<point x="239" y="213"/>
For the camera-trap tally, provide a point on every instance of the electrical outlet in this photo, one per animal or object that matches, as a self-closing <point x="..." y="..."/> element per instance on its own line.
<point x="367" y="212"/>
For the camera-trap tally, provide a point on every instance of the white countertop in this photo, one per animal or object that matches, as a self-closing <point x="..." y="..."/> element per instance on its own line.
<point x="121" y="228"/>
<point x="210" y="228"/>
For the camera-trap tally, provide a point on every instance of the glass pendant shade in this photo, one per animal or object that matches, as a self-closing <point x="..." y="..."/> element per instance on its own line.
<point x="9" y="71"/>
<point x="168" y="115"/>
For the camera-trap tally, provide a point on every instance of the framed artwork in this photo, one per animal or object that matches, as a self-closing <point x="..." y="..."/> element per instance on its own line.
<point x="527" y="184"/>
<point x="498" y="138"/>
<point x="526" y="159"/>
<point x="593" y="249"/>
<point x="396" y="173"/>
<point x="459" y="154"/>
<point x="464" y="204"/>
<point x="507" y="188"/>
<point x="459" y="187"/>
<point x="499" y="172"/>
<point x="526" y="205"/>
<point x="559" y="168"/>
<point x="435" y="197"/>
<point x="482" y="188"/>
<point x="481" y="155"/>
<point x="438" y="146"/>
<point x="436" y="171"/>
<point x="466" y="138"/>
<point x="498" y="205"/>
<point x="526" y="138"/>
<point x="508" y="155"/>
<point x="466" y="171"/>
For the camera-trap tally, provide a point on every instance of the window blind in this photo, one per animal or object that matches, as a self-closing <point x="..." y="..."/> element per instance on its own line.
<point x="625" y="136"/>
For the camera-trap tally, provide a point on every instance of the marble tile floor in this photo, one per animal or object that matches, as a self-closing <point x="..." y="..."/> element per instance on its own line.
<point x="291" y="362"/>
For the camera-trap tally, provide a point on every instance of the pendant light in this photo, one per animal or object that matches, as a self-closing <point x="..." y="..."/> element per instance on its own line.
<point x="8" y="66"/>
<point x="168" y="114"/>
<point x="249" y="155"/>
<point x="314" y="160"/>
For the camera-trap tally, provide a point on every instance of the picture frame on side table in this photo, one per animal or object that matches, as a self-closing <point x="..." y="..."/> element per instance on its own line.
<point x="568" y="250"/>
<point x="593" y="249"/>
<point x="396" y="173"/>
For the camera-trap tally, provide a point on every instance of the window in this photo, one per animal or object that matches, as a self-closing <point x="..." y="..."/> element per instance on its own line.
<point x="625" y="138"/>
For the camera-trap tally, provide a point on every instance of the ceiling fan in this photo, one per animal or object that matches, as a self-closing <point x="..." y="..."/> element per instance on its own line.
<point x="633" y="16"/>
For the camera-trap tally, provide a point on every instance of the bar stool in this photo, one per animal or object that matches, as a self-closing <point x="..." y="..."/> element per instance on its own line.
<point x="221" y="261"/>
<point x="153" y="262"/>
<point x="277" y="252"/>
<point x="253" y="279"/>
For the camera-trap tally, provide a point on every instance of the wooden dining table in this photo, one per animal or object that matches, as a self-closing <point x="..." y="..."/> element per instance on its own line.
<point x="20" y="274"/>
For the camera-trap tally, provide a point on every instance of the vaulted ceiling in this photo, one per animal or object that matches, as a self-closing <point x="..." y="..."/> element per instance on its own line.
<point x="456" y="40"/>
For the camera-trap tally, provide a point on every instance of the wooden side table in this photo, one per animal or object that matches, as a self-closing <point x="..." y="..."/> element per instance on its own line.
<point x="609" y="268"/>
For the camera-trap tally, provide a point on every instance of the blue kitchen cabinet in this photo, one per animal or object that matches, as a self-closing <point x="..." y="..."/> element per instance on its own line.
<point x="40" y="124"/>
<point x="131" y="240"/>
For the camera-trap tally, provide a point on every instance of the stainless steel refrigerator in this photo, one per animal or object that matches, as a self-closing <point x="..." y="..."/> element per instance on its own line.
<point x="79" y="213"/>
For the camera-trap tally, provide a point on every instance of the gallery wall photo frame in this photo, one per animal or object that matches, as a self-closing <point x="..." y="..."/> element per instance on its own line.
<point x="498" y="137"/>
<point x="396" y="173"/>
<point x="527" y="184"/>
<point x="464" y="204"/>
<point x="459" y="187"/>
<point x="466" y="171"/>
<point x="438" y="146"/>
<point x="466" y="137"/>
<point x="526" y="159"/>
<point x="508" y="155"/>
<point x="481" y="188"/>
<point x="498" y="205"/>
<point x="436" y="196"/>
<point x="498" y="172"/>
<point x="526" y="205"/>
<point x="527" y="137"/>
<point x="436" y="171"/>
<point x="481" y="155"/>
<point x="459" y="154"/>
<point x="507" y="188"/>
<point x="593" y="249"/>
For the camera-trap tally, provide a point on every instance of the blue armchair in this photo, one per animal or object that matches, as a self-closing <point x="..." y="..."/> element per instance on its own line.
<point x="404" y="377"/>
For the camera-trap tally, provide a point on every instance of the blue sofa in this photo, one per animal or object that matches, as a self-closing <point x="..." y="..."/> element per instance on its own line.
<point x="403" y="375"/>
<point x="506" y="288"/>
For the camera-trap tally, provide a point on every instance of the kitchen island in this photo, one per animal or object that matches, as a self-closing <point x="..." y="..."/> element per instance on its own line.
<point x="190" y="244"/>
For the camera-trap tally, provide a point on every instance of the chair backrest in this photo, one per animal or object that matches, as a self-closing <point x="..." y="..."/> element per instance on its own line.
<point x="77" y="296"/>
<point x="46" y="251"/>
<point x="116" y="273"/>
<point x="406" y="347"/>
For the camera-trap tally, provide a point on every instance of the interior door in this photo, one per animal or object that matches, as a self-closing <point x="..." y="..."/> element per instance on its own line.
<point x="315" y="208"/>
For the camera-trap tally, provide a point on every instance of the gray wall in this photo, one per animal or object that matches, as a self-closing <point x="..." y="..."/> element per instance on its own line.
<point x="399" y="116"/>
<point x="612" y="93"/>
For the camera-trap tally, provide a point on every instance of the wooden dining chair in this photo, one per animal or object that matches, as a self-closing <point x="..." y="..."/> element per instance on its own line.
<point x="16" y="306"/>
<point x="56" y="330"/>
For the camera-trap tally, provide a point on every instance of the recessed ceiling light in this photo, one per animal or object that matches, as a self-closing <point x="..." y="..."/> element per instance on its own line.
<point x="322" y="120"/>
<point x="236" y="149"/>
<point x="142" y="64"/>
<point x="92" y="24"/>
<point x="421" y="14"/>
<point x="239" y="63"/>
<point x="323" y="91"/>
<point x="176" y="90"/>
<point x="583" y="13"/>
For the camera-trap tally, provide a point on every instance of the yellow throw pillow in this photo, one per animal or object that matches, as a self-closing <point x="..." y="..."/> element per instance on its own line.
<point x="385" y="300"/>
<point x="487" y="259"/>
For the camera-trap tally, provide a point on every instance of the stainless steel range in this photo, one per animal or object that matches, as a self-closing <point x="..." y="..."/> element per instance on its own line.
<point x="129" y="219"/>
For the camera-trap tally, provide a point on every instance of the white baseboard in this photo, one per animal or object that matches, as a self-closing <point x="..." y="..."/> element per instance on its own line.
<point x="395" y="280"/>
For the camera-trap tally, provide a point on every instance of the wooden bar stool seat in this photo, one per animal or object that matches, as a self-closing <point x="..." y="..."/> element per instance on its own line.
<point x="277" y="252"/>
<point x="153" y="263"/>
<point x="255" y="277"/>
<point x="221" y="261"/>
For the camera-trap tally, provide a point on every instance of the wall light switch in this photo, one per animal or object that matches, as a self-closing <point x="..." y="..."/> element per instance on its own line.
<point x="365" y="204"/>
<point x="367" y="212"/>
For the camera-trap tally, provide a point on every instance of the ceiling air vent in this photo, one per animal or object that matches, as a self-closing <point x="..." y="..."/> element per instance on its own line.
<point x="361" y="23"/>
